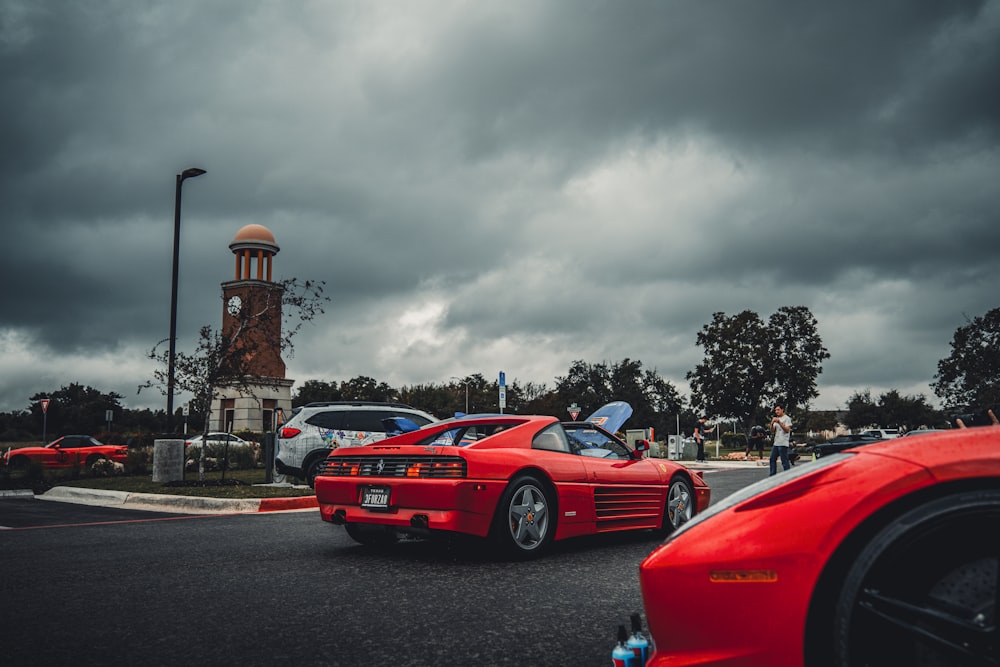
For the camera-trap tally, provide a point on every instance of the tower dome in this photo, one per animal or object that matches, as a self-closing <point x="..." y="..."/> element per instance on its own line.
<point x="254" y="242"/>
<point x="254" y="232"/>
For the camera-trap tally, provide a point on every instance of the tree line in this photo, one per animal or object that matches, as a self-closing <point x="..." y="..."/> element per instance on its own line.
<point x="749" y="364"/>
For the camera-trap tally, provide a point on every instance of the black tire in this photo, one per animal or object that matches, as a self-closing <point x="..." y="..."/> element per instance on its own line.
<point x="679" y="507"/>
<point x="525" y="521"/>
<point x="924" y="590"/>
<point x="94" y="458"/>
<point x="312" y="469"/>
<point x="371" y="535"/>
<point x="19" y="464"/>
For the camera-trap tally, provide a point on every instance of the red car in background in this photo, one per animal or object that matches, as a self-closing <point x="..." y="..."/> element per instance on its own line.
<point x="887" y="554"/>
<point x="68" y="451"/>
<point x="522" y="481"/>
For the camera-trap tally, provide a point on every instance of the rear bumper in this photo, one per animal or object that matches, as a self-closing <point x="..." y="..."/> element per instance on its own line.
<point x="459" y="506"/>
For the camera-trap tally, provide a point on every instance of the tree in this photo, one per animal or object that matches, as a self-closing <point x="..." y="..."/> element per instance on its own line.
<point x="969" y="378"/>
<point x="316" y="391"/>
<point x="862" y="411"/>
<point x="749" y="365"/>
<point x="364" y="388"/>
<point x="75" y="409"/>
<point x="226" y="358"/>
<point x="655" y="402"/>
<point x="733" y="380"/>
<point x="891" y="410"/>
<point x="908" y="412"/>
<point x="796" y="353"/>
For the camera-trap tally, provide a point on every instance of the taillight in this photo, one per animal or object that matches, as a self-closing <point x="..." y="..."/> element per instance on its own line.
<point x="338" y="467"/>
<point x="288" y="432"/>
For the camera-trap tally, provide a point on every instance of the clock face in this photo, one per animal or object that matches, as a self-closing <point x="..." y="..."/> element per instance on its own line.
<point x="234" y="305"/>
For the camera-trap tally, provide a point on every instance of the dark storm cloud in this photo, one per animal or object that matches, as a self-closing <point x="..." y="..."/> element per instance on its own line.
<point x="480" y="184"/>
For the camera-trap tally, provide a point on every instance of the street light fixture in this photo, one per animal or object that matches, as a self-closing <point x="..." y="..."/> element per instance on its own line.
<point x="466" y="383"/>
<point x="181" y="177"/>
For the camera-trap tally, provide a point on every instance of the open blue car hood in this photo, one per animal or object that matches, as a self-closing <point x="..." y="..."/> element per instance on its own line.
<point x="611" y="416"/>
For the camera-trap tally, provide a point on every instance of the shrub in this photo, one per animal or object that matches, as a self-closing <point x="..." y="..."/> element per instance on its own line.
<point x="107" y="468"/>
<point x="138" y="460"/>
<point x="217" y="457"/>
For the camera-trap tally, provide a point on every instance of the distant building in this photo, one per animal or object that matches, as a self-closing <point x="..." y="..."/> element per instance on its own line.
<point x="253" y="291"/>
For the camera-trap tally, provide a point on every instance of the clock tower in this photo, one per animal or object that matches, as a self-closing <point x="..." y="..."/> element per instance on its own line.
<point x="251" y="315"/>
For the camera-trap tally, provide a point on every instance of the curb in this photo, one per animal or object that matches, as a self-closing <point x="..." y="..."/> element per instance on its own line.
<point x="165" y="503"/>
<point x="16" y="493"/>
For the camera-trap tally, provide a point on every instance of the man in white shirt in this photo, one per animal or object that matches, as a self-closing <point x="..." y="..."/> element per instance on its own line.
<point x="781" y="424"/>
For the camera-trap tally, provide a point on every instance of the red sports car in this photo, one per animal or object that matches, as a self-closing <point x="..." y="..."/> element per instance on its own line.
<point x="883" y="555"/>
<point x="522" y="481"/>
<point x="67" y="452"/>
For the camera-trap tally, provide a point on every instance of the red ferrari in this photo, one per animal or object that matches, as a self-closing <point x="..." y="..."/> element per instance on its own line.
<point x="887" y="554"/>
<point x="68" y="451"/>
<point x="522" y="481"/>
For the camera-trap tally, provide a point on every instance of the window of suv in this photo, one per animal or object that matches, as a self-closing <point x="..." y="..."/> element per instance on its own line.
<point x="368" y="420"/>
<point x="331" y="419"/>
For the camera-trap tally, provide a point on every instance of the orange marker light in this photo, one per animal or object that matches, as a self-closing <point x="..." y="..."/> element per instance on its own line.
<point x="743" y="576"/>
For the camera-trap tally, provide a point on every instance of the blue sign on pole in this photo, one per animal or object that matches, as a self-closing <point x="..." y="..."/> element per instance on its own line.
<point x="503" y="392"/>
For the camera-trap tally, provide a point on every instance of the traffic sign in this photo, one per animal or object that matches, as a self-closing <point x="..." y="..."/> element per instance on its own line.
<point x="45" y="405"/>
<point x="574" y="411"/>
<point x="503" y="391"/>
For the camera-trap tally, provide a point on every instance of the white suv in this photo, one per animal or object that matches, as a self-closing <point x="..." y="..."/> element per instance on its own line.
<point x="316" y="428"/>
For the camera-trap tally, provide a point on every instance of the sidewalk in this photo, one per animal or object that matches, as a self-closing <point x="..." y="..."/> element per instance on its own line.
<point x="730" y="464"/>
<point x="158" y="502"/>
<point x="722" y="464"/>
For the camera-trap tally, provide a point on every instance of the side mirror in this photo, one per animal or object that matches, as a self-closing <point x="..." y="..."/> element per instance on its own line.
<point x="642" y="445"/>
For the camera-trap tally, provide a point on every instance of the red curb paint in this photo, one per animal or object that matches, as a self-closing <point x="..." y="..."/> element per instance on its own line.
<point x="278" y="504"/>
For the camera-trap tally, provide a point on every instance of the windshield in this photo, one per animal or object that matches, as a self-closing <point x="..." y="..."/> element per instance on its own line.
<point x="589" y="440"/>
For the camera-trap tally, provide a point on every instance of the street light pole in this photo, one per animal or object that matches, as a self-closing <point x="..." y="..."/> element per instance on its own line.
<point x="466" y="383"/>
<point x="181" y="177"/>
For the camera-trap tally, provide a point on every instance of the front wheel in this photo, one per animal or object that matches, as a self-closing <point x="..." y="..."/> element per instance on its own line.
<point x="19" y="464"/>
<point x="924" y="590"/>
<point x="523" y="526"/>
<point x="680" y="504"/>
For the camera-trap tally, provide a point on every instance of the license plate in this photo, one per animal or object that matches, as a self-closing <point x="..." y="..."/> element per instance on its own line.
<point x="376" y="497"/>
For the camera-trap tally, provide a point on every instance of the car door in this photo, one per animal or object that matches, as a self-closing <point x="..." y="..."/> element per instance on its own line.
<point x="62" y="453"/>
<point x="627" y="492"/>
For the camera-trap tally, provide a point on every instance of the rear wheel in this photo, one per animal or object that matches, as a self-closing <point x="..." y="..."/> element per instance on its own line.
<point x="680" y="504"/>
<point x="371" y="535"/>
<point x="924" y="591"/>
<point x="312" y="469"/>
<point x="523" y="526"/>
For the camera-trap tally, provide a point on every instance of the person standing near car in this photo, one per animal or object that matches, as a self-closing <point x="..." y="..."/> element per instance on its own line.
<point x="781" y="424"/>
<point x="701" y="429"/>
<point x="756" y="441"/>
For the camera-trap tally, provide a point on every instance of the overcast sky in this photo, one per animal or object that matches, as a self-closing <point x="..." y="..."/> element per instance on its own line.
<point x="491" y="186"/>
